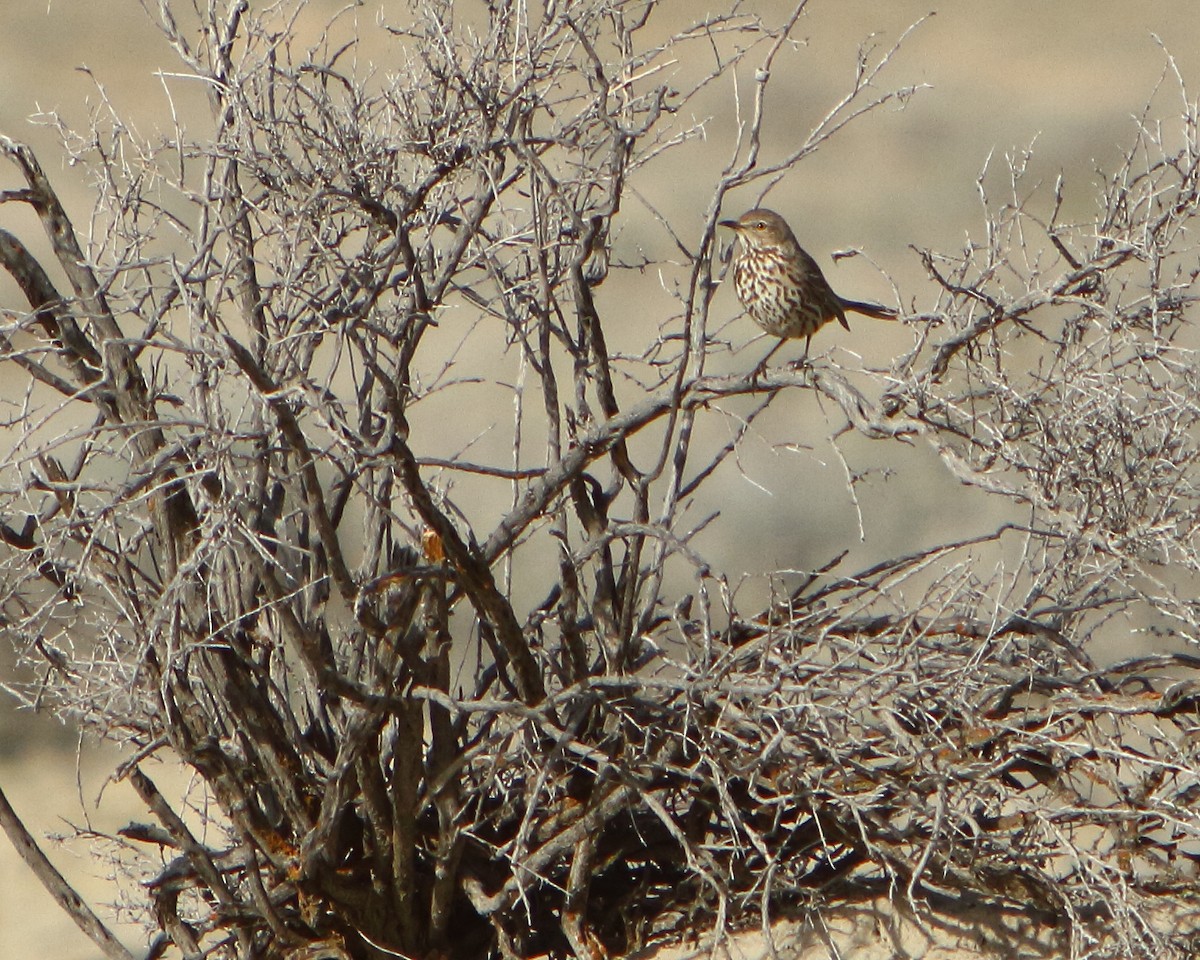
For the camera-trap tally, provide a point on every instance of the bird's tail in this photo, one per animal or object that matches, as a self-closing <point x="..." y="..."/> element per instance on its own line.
<point x="876" y="310"/>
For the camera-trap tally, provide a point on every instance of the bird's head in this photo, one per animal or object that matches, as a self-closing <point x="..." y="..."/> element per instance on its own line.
<point x="761" y="228"/>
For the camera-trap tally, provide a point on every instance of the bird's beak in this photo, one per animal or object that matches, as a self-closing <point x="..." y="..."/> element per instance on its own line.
<point x="731" y="224"/>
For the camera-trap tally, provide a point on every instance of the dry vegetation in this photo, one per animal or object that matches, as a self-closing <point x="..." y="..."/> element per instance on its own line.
<point x="223" y="542"/>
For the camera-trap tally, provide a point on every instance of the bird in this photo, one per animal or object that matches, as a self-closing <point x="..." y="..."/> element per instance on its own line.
<point x="781" y="286"/>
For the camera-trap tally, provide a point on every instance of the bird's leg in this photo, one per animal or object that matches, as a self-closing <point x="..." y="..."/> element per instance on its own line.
<point x="803" y="361"/>
<point x="762" y="364"/>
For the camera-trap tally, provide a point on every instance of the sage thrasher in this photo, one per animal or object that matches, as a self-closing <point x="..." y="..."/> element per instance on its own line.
<point x="781" y="286"/>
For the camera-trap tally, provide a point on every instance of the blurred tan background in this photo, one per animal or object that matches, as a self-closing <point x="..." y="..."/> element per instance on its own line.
<point x="1067" y="77"/>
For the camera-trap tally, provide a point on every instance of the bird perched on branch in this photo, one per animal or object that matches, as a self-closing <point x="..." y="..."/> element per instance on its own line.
<point x="781" y="286"/>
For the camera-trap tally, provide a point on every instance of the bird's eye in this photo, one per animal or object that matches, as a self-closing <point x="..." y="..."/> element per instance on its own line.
<point x="760" y="225"/>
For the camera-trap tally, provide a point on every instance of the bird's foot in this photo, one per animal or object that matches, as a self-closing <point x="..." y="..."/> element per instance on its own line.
<point x="762" y="364"/>
<point x="758" y="371"/>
